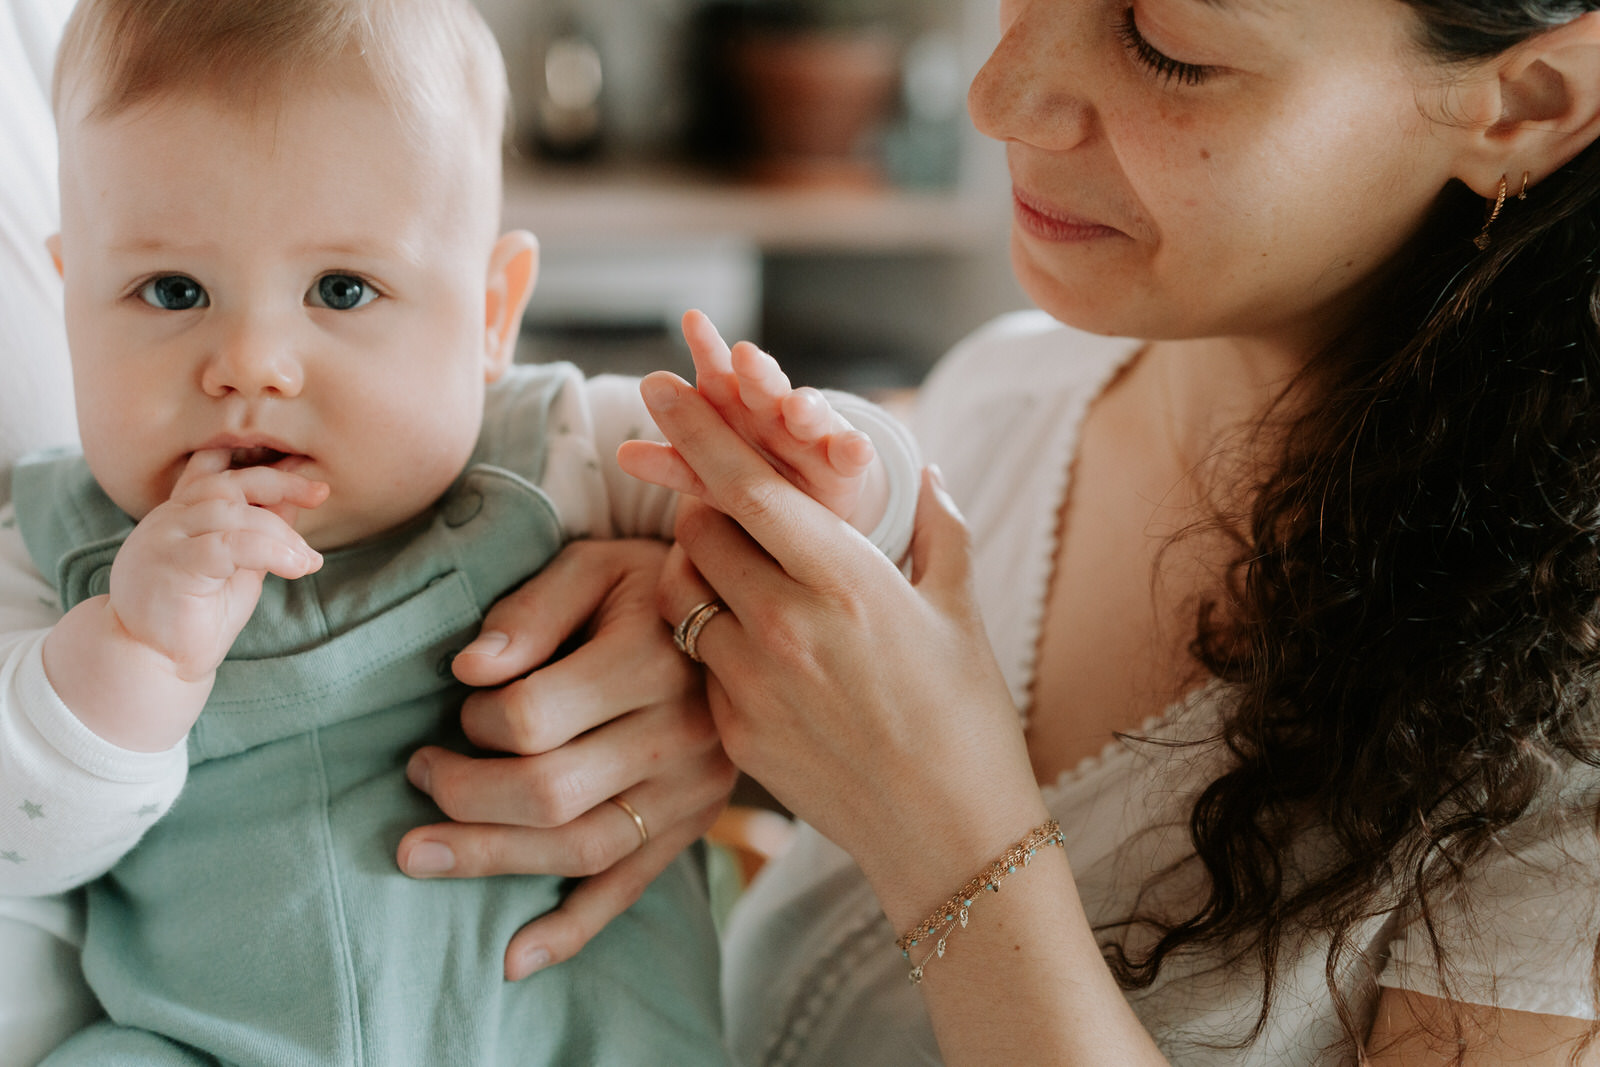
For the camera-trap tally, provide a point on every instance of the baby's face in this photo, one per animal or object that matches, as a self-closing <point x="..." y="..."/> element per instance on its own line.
<point x="303" y="285"/>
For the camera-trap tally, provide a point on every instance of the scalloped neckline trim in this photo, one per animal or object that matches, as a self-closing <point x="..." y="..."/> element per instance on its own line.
<point x="1118" y="751"/>
<point x="1046" y="543"/>
<point x="1045" y="540"/>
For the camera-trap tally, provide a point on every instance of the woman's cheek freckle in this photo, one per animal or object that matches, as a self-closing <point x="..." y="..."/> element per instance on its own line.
<point x="1205" y="153"/>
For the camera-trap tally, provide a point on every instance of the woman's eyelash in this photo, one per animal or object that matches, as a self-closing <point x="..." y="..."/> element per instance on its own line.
<point x="1165" y="67"/>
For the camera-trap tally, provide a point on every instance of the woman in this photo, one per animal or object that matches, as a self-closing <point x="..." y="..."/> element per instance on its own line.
<point x="1320" y="549"/>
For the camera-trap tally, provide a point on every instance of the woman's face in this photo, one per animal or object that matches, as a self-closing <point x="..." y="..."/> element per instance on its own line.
<point x="1209" y="168"/>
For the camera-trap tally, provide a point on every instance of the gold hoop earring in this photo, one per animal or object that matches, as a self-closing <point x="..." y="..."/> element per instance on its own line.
<point x="1482" y="240"/>
<point x="1522" y="194"/>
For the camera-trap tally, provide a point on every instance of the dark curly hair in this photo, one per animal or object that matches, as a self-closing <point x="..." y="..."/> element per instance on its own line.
<point x="1413" y="622"/>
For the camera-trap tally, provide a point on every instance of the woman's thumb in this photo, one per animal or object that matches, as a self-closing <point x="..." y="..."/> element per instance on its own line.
<point x="940" y="547"/>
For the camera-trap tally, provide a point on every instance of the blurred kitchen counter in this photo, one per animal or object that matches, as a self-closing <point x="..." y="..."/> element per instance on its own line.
<point x="609" y="203"/>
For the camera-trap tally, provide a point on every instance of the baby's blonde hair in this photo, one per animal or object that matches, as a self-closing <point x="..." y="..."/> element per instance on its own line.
<point x="430" y="59"/>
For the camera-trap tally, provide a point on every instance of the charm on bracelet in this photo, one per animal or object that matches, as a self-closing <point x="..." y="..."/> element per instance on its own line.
<point x="957" y="910"/>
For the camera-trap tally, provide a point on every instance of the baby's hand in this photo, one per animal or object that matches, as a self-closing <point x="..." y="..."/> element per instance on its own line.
<point x="796" y="430"/>
<point x="188" y="577"/>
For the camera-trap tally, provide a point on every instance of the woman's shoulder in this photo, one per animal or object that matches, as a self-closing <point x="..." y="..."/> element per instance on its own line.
<point x="1012" y="394"/>
<point x="1521" y="927"/>
<point x="1030" y="342"/>
<point x="1025" y="357"/>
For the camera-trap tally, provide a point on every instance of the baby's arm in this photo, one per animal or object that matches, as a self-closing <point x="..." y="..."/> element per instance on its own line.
<point x="71" y="804"/>
<point x="797" y="430"/>
<point x="137" y="665"/>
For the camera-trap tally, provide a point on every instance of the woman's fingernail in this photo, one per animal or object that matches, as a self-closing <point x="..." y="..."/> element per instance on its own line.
<point x="534" y="959"/>
<point x="430" y="857"/>
<point x="658" y="392"/>
<point x="488" y="643"/>
<point x="419" y="773"/>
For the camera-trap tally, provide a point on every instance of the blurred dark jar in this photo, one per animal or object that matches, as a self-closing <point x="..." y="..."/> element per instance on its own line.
<point x="796" y="101"/>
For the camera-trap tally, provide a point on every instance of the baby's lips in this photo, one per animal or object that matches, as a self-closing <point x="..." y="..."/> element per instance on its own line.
<point x="240" y="458"/>
<point x="209" y="460"/>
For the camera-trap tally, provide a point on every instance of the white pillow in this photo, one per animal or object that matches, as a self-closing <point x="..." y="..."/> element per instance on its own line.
<point x="35" y="382"/>
<point x="42" y="995"/>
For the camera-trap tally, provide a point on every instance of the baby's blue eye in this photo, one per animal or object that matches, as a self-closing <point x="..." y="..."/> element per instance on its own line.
<point x="341" y="292"/>
<point x="174" y="292"/>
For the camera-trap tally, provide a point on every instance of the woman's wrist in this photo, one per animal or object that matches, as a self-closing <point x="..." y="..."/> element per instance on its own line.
<point x="925" y="941"/>
<point x="922" y="870"/>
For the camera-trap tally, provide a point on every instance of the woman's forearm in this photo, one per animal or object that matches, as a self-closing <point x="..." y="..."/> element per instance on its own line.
<point x="1024" y="979"/>
<point x="1025" y="982"/>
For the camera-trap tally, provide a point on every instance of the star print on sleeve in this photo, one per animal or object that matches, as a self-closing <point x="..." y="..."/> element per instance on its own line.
<point x="12" y="857"/>
<point x="32" y="810"/>
<point x="149" y="809"/>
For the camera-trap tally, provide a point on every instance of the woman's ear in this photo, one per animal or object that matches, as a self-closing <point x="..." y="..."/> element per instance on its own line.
<point x="53" y="243"/>
<point x="513" y="270"/>
<point x="1547" y="95"/>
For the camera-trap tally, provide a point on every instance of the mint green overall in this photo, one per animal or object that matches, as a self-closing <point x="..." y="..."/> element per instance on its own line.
<point x="263" y="920"/>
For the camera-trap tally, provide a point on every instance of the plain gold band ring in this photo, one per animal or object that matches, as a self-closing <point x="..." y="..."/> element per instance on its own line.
<point x="638" y="820"/>
<point x="687" y="634"/>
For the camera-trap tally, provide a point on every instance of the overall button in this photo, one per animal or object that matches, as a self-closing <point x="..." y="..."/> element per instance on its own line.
<point x="462" y="507"/>
<point x="100" y="580"/>
<point x="443" y="667"/>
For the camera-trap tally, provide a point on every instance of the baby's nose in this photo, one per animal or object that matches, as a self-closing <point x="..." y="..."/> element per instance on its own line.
<point x="253" y="359"/>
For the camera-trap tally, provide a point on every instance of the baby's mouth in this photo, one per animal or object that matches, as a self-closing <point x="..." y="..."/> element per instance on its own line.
<point x="255" y="457"/>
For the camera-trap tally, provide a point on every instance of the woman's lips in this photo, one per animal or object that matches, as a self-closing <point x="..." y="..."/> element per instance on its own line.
<point x="1051" y="224"/>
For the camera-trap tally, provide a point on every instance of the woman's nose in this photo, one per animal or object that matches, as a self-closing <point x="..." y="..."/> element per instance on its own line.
<point x="253" y="359"/>
<point x="1025" y="91"/>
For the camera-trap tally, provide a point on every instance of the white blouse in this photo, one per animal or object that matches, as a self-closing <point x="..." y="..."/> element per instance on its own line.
<point x="811" y="972"/>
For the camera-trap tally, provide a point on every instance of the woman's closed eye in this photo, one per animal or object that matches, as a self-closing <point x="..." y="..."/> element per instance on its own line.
<point x="341" y="292"/>
<point x="174" y="292"/>
<point x="1159" y="63"/>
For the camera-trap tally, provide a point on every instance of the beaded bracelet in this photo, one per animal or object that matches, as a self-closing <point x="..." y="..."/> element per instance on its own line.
<point x="954" y="911"/>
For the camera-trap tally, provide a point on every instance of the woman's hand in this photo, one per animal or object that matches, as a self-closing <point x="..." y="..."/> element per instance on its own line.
<point x="872" y="708"/>
<point x="621" y="715"/>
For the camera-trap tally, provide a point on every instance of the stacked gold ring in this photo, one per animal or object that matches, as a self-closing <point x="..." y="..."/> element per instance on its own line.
<point x="687" y="634"/>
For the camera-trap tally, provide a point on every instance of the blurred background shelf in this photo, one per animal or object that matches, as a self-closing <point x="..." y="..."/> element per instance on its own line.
<point x="658" y="176"/>
<point x="670" y="201"/>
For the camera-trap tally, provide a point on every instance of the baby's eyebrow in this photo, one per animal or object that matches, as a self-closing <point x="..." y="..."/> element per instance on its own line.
<point x="143" y="245"/>
<point x="404" y="251"/>
<point x="339" y="248"/>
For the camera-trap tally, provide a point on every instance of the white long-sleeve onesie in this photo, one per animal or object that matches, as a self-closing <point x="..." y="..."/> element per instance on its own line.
<point x="72" y="804"/>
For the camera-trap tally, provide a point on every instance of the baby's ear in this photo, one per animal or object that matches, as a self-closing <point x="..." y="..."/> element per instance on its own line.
<point x="53" y="243"/>
<point x="513" y="270"/>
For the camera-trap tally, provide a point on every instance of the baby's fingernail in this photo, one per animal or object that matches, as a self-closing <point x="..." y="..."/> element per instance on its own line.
<point x="488" y="643"/>
<point x="658" y="392"/>
<point x="531" y="960"/>
<point x="430" y="857"/>
<point x="419" y="773"/>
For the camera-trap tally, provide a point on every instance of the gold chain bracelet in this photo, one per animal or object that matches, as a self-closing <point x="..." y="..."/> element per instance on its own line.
<point x="955" y="911"/>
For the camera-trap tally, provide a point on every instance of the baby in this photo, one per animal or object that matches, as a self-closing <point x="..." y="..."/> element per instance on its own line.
<point x="297" y="495"/>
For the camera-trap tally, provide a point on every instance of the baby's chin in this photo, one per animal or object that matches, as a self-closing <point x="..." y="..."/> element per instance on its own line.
<point x="331" y="531"/>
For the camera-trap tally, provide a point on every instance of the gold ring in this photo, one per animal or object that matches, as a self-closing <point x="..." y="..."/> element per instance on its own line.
<point x="638" y="820"/>
<point x="687" y="634"/>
